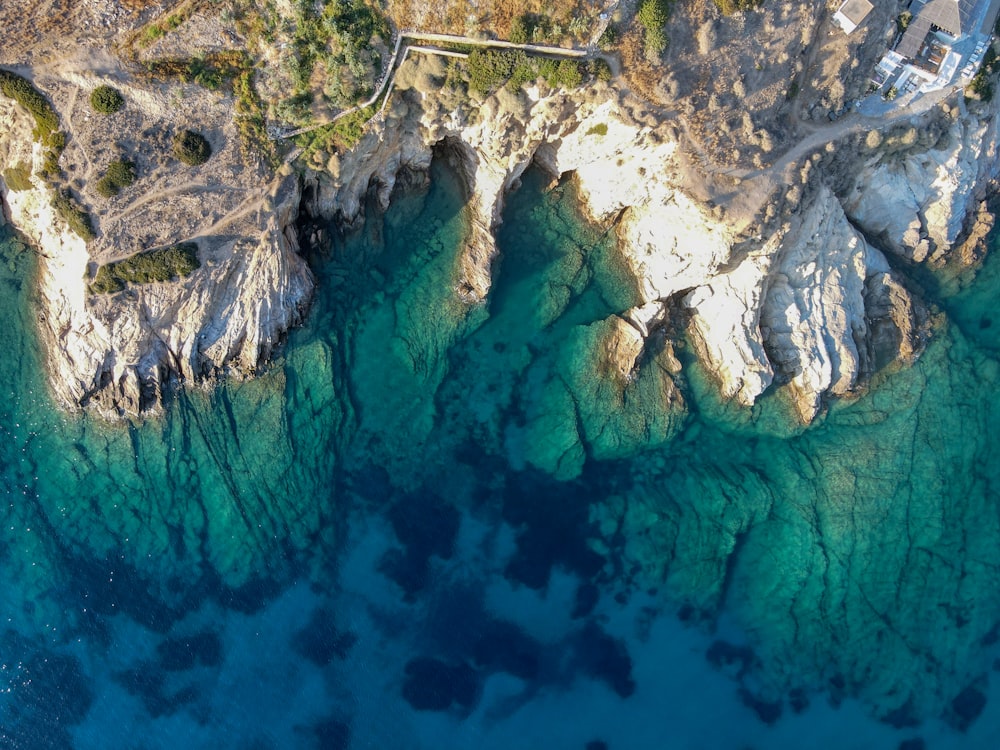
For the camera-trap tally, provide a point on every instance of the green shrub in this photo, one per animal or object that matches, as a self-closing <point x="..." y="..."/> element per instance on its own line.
<point x="254" y="141"/>
<point x="600" y="128"/>
<point x="56" y="142"/>
<point x="982" y="84"/>
<point x="609" y="38"/>
<point x="151" y="34"/>
<point x="599" y="69"/>
<point x="520" y="31"/>
<point x="50" y="168"/>
<point x="568" y="74"/>
<point x="120" y="174"/>
<point x="191" y="148"/>
<point x="339" y="136"/>
<point x="529" y="27"/>
<point x="21" y="91"/>
<point x="106" y="100"/>
<point x="347" y="131"/>
<point x="18" y="177"/>
<point x="728" y="7"/>
<point x="489" y="69"/>
<point x="70" y="211"/>
<point x="653" y="16"/>
<point x="525" y="72"/>
<point x="165" y="264"/>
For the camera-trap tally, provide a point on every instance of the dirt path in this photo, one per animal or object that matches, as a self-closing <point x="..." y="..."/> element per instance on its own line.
<point x="188" y="188"/>
<point x="743" y="192"/>
<point x="251" y="203"/>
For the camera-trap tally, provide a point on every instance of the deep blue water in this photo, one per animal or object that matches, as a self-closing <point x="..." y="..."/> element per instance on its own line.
<point x="435" y="526"/>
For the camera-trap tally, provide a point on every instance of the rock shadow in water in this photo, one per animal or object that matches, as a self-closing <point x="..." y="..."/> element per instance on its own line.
<point x="435" y="685"/>
<point x="553" y="528"/>
<point x="321" y="641"/>
<point x="332" y="734"/>
<point x="149" y="683"/>
<point x="966" y="707"/>
<point x="426" y="526"/>
<point x="602" y="657"/>
<point x="180" y="653"/>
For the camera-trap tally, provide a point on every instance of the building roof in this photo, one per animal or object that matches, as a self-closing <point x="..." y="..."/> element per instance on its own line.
<point x="914" y="37"/>
<point x="954" y="17"/>
<point x="949" y="15"/>
<point x="855" y="11"/>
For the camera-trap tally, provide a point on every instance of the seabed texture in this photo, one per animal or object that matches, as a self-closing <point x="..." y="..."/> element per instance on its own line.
<point x="430" y="525"/>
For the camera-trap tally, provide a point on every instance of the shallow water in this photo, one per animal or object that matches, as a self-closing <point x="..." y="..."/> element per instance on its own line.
<point x="434" y="526"/>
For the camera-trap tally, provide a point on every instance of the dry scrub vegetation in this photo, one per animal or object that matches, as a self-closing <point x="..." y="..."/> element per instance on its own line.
<point x="568" y="20"/>
<point x="743" y="83"/>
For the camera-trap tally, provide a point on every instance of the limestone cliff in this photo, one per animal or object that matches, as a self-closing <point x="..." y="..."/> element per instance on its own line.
<point x="798" y="295"/>
<point x="116" y="351"/>
<point x="792" y="293"/>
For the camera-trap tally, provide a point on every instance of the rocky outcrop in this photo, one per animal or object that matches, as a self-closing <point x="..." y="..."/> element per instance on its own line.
<point x="116" y="351"/>
<point x="816" y="316"/>
<point x="807" y="302"/>
<point x="918" y="187"/>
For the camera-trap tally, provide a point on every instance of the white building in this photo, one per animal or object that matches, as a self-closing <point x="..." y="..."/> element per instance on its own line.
<point x="851" y="14"/>
<point x="945" y="39"/>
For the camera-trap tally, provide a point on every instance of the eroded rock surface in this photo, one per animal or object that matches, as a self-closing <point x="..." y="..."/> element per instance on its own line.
<point x="786" y="288"/>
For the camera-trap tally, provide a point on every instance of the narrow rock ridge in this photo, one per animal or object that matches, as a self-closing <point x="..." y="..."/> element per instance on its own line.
<point x="115" y="352"/>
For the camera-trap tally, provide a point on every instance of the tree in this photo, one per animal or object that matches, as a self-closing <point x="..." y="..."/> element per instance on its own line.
<point x="653" y="16"/>
<point x="120" y="174"/>
<point x="106" y="100"/>
<point x="520" y="30"/>
<point x="191" y="148"/>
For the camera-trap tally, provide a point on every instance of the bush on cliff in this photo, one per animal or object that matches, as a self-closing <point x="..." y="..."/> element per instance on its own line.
<point x="489" y="69"/>
<point x="106" y="100"/>
<point x="165" y="264"/>
<point x="67" y="209"/>
<point x="21" y="91"/>
<point x="191" y="148"/>
<point x="120" y="174"/>
<point x="18" y="177"/>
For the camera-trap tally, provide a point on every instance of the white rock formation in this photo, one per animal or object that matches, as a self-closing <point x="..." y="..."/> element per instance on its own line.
<point x="916" y="198"/>
<point x="117" y="350"/>
<point x="800" y="305"/>
<point x="813" y="316"/>
<point x="810" y="303"/>
<point x="725" y="325"/>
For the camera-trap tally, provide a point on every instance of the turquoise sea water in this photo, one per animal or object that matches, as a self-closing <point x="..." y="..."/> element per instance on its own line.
<point x="434" y="526"/>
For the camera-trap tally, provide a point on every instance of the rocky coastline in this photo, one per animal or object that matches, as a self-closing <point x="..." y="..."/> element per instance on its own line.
<point x="800" y="294"/>
<point x="795" y="291"/>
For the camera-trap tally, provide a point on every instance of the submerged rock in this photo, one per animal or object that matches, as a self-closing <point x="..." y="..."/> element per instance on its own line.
<point x="434" y="685"/>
